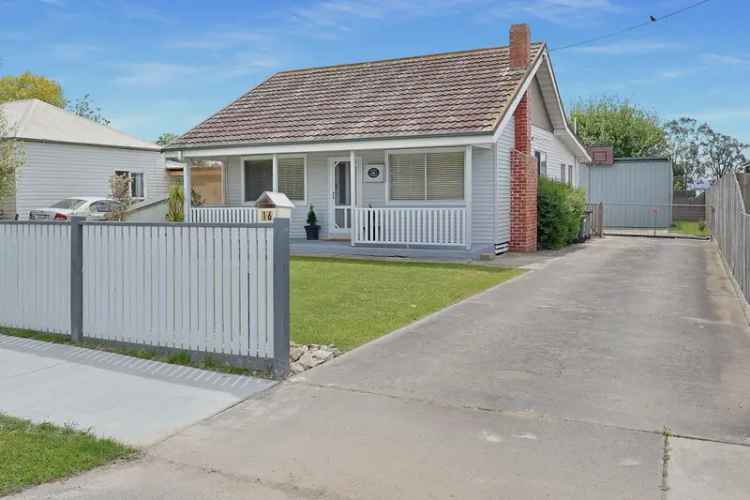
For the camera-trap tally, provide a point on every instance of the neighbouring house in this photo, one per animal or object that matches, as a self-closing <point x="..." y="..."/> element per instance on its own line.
<point x="636" y="192"/>
<point x="68" y="156"/>
<point x="441" y="150"/>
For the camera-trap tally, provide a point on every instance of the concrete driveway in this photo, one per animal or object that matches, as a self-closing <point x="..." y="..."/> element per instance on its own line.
<point x="558" y="384"/>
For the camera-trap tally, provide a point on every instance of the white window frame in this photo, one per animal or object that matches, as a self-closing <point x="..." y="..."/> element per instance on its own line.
<point x="275" y="182"/>
<point x="423" y="203"/>
<point x="539" y="163"/>
<point x="130" y="176"/>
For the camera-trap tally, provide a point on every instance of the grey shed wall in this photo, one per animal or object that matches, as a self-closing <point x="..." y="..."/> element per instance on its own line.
<point x="635" y="192"/>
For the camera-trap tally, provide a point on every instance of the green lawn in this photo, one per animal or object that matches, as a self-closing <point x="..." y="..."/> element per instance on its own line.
<point x="348" y="302"/>
<point x="690" y="228"/>
<point x="33" y="454"/>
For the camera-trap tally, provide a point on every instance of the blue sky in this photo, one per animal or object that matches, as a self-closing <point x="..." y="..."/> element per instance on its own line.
<point x="156" y="66"/>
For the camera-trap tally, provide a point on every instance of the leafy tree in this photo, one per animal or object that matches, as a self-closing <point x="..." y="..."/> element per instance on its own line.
<point x="28" y="86"/>
<point x="723" y="154"/>
<point x="684" y="139"/>
<point x="632" y="131"/>
<point x="699" y="150"/>
<point x="11" y="159"/>
<point x="166" y="138"/>
<point x="85" y="107"/>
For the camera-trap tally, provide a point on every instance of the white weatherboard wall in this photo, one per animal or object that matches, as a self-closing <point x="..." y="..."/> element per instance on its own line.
<point x="195" y="288"/>
<point x="35" y="276"/>
<point x="505" y="146"/>
<point x="557" y="152"/>
<point x="53" y="171"/>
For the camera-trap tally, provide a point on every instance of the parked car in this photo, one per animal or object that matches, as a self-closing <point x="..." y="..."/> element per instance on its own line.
<point x="82" y="206"/>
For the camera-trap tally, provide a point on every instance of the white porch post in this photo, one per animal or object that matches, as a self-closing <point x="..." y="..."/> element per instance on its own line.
<point x="353" y="192"/>
<point x="467" y="193"/>
<point x="187" y="188"/>
<point x="275" y="173"/>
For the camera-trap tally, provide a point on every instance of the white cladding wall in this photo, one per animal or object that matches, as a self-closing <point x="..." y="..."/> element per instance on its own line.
<point x="53" y="171"/>
<point x="483" y="196"/>
<point x="505" y="146"/>
<point x="557" y="153"/>
<point x="372" y="194"/>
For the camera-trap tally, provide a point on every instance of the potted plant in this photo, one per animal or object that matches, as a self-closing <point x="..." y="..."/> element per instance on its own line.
<point x="312" y="228"/>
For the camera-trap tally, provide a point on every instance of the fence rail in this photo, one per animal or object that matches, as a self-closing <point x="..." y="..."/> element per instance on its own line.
<point x="208" y="289"/>
<point x="730" y="225"/>
<point x="410" y="226"/>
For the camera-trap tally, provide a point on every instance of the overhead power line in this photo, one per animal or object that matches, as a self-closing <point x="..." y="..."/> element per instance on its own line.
<point x="651" y="20"/>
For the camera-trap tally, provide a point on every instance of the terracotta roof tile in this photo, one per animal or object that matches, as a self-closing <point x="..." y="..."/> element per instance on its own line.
<point x="442" y="94"/>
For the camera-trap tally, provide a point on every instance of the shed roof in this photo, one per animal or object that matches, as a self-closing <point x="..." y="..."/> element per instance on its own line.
<point x="456" y="93"/>
<point x="36" y="120"/>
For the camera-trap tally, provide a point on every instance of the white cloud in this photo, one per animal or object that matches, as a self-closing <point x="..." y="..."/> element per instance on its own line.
<point x="555" y="11"/>
<point x="628" y="48"/>
<point x="154" y="74"/>
<point x="724" y="59"/>
<point x="218" y="40"/>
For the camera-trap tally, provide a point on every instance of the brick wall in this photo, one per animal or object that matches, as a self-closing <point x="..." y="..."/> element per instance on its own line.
<point x="523" y="184"/>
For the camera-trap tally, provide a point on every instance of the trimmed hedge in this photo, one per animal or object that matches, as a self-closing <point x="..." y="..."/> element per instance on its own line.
<point x="560" y="210"/>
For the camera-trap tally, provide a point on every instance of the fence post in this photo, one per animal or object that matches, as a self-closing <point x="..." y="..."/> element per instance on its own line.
<point x="76" y="279"/>
<point x="280" y="297"/>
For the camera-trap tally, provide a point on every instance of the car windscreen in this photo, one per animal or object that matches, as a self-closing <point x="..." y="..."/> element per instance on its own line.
<point x="69" y="204"/>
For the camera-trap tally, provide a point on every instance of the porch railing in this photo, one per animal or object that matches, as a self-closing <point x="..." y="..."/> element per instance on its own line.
<point x="410" y="226"/>
<point x="224" y="215"/>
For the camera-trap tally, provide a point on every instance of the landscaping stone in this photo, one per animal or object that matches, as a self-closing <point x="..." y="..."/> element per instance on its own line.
<point x="303" y="357"/>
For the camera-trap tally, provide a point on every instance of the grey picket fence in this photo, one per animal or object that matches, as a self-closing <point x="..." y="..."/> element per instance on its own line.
<point x="219" y="290"/>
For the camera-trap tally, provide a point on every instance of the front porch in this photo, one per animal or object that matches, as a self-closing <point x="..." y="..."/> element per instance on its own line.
<point x="386" y="203"/>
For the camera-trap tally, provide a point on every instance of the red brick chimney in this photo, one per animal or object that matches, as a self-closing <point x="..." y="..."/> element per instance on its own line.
<point x="523" y="168"/>
<point x="602" y="155"/>
<point x="520" y="46"/>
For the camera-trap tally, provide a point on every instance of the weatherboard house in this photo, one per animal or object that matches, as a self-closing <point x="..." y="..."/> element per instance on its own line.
<point x="67" y="156"/>
<point x="440" y="151"/>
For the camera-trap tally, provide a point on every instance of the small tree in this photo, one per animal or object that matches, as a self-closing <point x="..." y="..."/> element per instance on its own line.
<point x="11" y="159"/>
<point x="85" y="107"/>
<point x="30" y="86"/>
<point x="166" y="138"/>
<point x="121" y="193"/>
<point x="312" y="218"/>
<point x="176" y="202"/>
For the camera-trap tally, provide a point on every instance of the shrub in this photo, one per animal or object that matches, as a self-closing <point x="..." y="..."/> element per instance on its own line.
<point x="560" y="210"/>
<point x="312" y="219"/>
<point x="175" y="207"/>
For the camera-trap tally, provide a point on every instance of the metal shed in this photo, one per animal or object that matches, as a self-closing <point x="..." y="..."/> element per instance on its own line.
<point x="636" y="192"/>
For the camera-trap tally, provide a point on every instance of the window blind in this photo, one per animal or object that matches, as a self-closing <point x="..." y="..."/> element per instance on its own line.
<point x="426" y="176"/>
<point x="292" y="177"/>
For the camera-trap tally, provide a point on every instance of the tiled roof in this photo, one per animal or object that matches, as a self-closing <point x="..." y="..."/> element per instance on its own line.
<point x="442" y="94"/>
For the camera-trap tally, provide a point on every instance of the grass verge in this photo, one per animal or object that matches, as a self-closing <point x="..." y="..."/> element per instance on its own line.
<point x="348" y="302"/>
<point x="690" y="228"/>
<point x="32" y="454"/>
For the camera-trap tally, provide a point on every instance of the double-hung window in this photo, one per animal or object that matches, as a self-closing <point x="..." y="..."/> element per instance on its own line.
<point x="541" y="162"/>
<point x="429" y="176"/>
<point x="137" y="183"/>
<point x="563" y="172"/>
<point x="570" y="175"/>
<point x="258" y="177"/>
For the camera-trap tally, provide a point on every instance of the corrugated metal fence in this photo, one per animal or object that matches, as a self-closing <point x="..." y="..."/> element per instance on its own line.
<point x="218" y="289"/>
<point x="730" y="226"/>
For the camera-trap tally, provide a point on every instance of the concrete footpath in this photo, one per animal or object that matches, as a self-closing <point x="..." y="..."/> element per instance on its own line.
<point x="135" y="401"/>
<point x="559" y="384"/>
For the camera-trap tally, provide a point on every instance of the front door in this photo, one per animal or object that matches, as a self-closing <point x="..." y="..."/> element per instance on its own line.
<point x="340" y="220"/>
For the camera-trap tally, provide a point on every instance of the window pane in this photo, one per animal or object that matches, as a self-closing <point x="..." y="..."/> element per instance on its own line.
<point x="292" y="177"/>
<point x="258" y="178"/>
<point x="136" y="185"/>
<point x="562" y="173"/>
<point x="407" y="177"/>
<point x="445" y="176"/>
